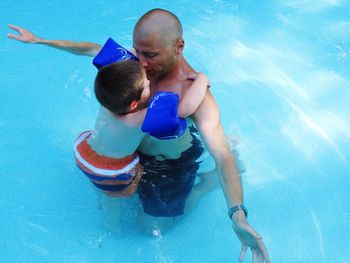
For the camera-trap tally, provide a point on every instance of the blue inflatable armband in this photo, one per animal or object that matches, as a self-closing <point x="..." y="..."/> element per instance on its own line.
<point x="161" y="120"/>
<point x="112" y="52"/>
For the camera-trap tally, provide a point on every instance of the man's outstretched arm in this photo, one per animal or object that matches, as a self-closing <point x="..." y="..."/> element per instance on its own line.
<point x="208" y="122"/>
<point x="77" y="48"/>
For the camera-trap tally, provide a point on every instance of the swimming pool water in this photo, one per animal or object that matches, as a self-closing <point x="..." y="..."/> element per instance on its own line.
<point x="280" y="74"/>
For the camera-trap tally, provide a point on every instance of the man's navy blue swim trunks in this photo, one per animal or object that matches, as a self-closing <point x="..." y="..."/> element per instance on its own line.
<point x="166" y="184"/>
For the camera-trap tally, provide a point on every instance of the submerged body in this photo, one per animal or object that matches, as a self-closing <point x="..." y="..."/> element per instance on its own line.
<point x="107" y="156"/>
<point x="170" y="170"/>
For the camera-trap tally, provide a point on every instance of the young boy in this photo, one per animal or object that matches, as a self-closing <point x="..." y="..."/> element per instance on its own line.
<point x="107" y="156"/>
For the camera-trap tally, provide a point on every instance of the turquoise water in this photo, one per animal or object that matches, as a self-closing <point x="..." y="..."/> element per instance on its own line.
<point x="280" y="74"/>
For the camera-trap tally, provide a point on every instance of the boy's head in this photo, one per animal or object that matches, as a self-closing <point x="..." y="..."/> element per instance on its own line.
<point x="121" y="87"/>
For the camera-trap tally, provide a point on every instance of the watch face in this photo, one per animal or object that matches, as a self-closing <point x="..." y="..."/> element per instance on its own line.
<point x="236" y="208"/>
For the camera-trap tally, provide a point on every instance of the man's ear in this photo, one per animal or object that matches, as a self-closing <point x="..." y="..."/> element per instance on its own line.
<point x="133" y="105"/>
<point x="180" y="45"/>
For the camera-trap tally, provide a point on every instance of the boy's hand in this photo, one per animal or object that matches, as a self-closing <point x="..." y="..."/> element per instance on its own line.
<point x="192" y="76"/>
<point x="195" y="75"/>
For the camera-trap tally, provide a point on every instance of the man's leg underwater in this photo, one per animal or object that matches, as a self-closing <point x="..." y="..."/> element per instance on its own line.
<point x="155" y="226"/>
<point x="208" y="182"/>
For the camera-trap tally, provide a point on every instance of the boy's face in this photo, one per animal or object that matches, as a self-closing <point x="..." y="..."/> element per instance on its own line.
<point x="145" y="92"/>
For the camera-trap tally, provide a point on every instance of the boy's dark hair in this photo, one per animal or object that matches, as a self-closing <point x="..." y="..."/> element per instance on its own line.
<point x="118" y="85"/>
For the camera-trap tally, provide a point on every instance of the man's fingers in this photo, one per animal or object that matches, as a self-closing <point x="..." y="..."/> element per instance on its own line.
<point x="12" y="26"/>
<point x="243" y="252"/>
<point x="255" y="255"/>
<point x="263" y="251"/>
<point x="257" y="236"/>
<point x="12" y="36"/>
<point x="16" y="28"/>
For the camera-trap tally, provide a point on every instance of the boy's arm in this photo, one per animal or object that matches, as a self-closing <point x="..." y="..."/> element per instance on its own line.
<point x="77" y="48"/>
<point x="194" y="96"/>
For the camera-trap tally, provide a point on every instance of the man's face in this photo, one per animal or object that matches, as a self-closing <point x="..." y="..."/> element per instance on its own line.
<point x="156" y="57"/>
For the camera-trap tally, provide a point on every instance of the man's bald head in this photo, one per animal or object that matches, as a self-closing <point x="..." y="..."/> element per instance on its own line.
<point x="159" y="22"/>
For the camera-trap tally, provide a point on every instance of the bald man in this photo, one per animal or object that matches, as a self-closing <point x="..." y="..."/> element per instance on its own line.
<point x="170" y="166"/>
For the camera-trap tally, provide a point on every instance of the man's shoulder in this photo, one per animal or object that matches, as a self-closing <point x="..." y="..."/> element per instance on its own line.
<point x="207" y="110"/>
<point x="208" y="102"/>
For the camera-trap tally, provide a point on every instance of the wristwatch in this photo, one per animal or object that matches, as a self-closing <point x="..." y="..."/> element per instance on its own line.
<point x="235" y="209"/>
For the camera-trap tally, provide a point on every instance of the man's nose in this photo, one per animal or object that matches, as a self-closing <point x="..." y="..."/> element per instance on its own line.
<point x="143" y="61"/>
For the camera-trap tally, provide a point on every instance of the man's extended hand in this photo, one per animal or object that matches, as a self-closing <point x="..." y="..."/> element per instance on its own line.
<point x="78" y="48"/>
<point x="249" y="238"/>
<point x="24" y="36"/>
